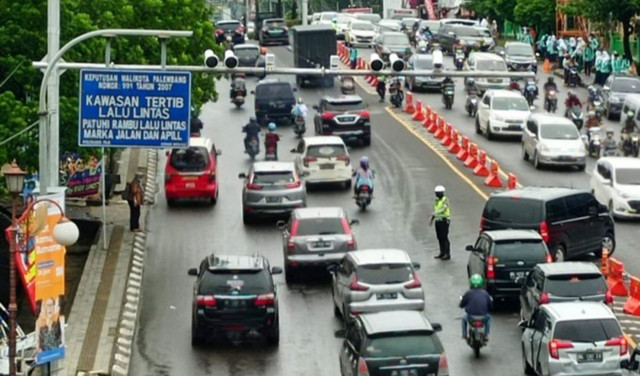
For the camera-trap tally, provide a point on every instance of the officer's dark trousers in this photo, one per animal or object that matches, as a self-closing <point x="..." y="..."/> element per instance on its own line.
<point x="442" y="232"/>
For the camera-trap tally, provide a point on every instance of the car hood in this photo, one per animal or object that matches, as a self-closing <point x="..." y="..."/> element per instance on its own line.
<point x="509" y="114"/>
<point x="363" y="33"/>
<point x="519" y="59"/>
<point x="563" y="145"/>
<point x="475" y="40"/>
<point x="399" y="49"/>
<point x="632" y="191"/>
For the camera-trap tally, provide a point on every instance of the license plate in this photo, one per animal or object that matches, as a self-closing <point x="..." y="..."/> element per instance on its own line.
<point x="326" y="166"/>
<point x="190" y="185"/>
<point x="321" y="244"/>
<point x="235" y="304"/>
<point x="590" y="357"/>
<point x="275" y="31"/>
<point x="405" y="372"/>
<point x="387" y="295"/>
<point x="515" y="127"/>
<point x="346" y="119"/>
<point x="517" y="275"/>
<point x="274" y="199"/>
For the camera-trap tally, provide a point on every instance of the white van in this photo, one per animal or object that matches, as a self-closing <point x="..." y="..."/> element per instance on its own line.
<point x="631" y="103"/>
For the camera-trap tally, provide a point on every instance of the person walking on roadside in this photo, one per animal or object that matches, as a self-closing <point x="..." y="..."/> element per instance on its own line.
<point x="134" y="200"/>
<point x="589" y="57"/>
<point x="353" y="57"/>
<point x="442" y="215"/>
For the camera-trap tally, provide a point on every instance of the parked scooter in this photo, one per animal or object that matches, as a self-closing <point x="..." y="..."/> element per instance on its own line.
<point x="574" y="79"/>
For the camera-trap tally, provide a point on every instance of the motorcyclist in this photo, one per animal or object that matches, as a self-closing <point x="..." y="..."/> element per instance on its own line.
<point x="472" y="88"/>
<point x="381" y="87"/>
<point x="592" y="120"/>
<point x="476" y="302"/>
<point x="252" y="129"/>
<point x="238" y="85"/>
<point x="515" y="85"/>
<point x="630" y="125"/>
<point x="532" y="83"/>
<point x="364" y="176"/>
<point x="271" y="139"/>
<point x="458" y="50"/>
<point x="571" y="101"/>
<point x="550" y="85"/>
<point x="196" y="125"/>
<point x="609" y="144"/>
<point x="300" y="109"/>
<point x="447" y="82"/>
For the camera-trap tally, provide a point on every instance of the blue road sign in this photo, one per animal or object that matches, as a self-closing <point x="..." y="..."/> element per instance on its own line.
<point x="129" y="108"/>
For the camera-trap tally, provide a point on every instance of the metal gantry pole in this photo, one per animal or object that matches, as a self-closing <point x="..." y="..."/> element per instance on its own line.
<point x="107" y="61"/>
<point x="13" y="306"/>
<point x="53" y="92"/>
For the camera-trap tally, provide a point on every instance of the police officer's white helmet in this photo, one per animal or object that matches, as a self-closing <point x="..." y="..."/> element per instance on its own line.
<point x="439" y="189"/>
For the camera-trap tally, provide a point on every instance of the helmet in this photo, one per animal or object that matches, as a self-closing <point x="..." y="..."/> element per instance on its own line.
<point x="439" y="189"/>
<point x="253" y="119"/>
<point x="471" y="81"/>
<point x="592" y="89"/>
<point x="591" y="113"/>
<point x="476" y="281"/>
<point x="550" y="79"/>
<point x="364" y="162"/>
<point x="272" y="126"/>
<point x="229" y="39"/>
<point x="630" y="114"/>
<point x="300" y="101"/>
<point x="609" y="133"/>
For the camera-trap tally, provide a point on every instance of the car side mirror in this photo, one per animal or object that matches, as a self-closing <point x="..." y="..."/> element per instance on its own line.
<point x="276" y="270"/>
<point x="218" y="152"/>
<point x="436" y="327"/>
<point x="193" y="271"/>
<point x="316" y="108"/>
<point x="416" y="265"/>
<point x="331" y="269"/>
<point x="501" y="53"/>
<point x="242" y="175"/>
<point x="523" y="324"/>
<point x="354" y="222"/>
<point x="166" y="153"/>
<point x="340" y="333"/>
<point x="469" y="248"/>
<point x="306" y="174"/>
<point x="295" y="89"/>
<point x="253" y="92"/>
<point x="281" y="224"/>
<point x="293" y="150"/>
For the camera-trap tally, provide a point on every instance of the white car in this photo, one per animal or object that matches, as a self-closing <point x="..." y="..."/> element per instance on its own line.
<point x="359" y="33"/>
<point x="324" y="159"/>
<point x="324" y="18"/>
<point x="553" y="140"/>
<point x="502" y="113"/>
<point x="615" y="182"/>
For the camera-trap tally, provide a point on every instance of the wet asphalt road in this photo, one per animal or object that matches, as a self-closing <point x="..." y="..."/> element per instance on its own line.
<point x="407" y="171"/>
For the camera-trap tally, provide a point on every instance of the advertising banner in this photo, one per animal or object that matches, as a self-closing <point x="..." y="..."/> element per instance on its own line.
<point x="82" y="178"/>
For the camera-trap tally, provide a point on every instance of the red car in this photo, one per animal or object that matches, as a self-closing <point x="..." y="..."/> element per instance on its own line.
<point x="191" y="172"/>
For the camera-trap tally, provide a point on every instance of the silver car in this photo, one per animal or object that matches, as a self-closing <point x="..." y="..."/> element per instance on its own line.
<point x="376" y="280"/>
<point x="577" y="338"/>
<point x="315" y="237"/>
<point x="271" y="188"/>
<point x="553" y="140"/>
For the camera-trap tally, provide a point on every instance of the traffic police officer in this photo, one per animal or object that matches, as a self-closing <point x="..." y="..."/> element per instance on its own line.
<point x="441" y="215"/>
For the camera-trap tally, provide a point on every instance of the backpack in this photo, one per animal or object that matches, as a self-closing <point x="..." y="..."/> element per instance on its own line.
<point x="126" y="194"/>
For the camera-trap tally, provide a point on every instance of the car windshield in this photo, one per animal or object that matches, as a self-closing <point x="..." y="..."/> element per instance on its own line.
<point x="326" y="151"/>
<point x="374" y="18"/>
<point x="491" y="65"/>
<point x="345" y="106"/>
<point x="344" y="18"/>
<point x="229" y="26"/>
<point x="513" y="210"/>
<point x="364" y="26"/>
<point x="575" y="285"/>
<point x="432" y="25"/>
<point x="275" y="24"/>
<point x="589" y="331"/>
<point x="409" y="22"/>
<point x="273" y="177"/>
<point x="247" y="52"/>
<point x="468" y="31"/>
<point x="423" y="63"/>
<point x="559" y="132"/>
<point x="402" y="344"/>
<point x="320" y="226"/>
<point x="514" y="250"/>
<point x="234" y="281"/>
<point x="510" y="104"/>
<point x="191" y="159"/>
<point x="275" y="91"/>
<point x="520" y="50"/>
<point x="328" y="16"/>
<point x="625" y="85"/>
<point x="399" y="40"/>
<point x="630" y="176"/>
<point x="381" y="274"/>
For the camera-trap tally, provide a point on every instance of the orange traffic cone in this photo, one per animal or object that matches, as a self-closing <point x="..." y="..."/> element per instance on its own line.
<point x="546" y="67"/>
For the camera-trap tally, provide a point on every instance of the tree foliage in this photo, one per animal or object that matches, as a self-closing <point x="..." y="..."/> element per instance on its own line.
<point x="499" y="10"/>
<point x="23" y="39"/>
<point x="540" y="14"/>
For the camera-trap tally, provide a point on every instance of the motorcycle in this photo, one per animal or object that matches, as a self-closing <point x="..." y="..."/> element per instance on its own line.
<point x="238" y="99"/>
<point x="475" y="334"/>
<point x="459" y="59"/>
<point x="551" y="101"/>
<point x="270" y="153"/>
<point x="347" y="85"/>
<point x="573" y="76"/>
<point x="598" y="107"/>
<point x="530" y="90"/>
<point x="396" y="95"/>
<point x="630" y="144"/>
<point x="299" y="126"/>
<point x="577" y="116"/>
<point x="472" y="105"/>
<point x="363" y="198"/>
<point x="447" y="96"/>
<point x="253" y="148"/>
<point x="593" y="141"/>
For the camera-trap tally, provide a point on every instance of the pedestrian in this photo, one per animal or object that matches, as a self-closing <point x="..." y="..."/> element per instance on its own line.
<point x="562" y="50"/>
<point x="134" y="200"/>
<point x="353" y="57"/>
<point x="494" y="30"/>
<point x="605" y="68"/>
<point x="589" y="57"/>
<point x="381" y="87"/>
<point x="442" y="215"/>
<point x="552" y="50"/>
<point x="484" y="23"/>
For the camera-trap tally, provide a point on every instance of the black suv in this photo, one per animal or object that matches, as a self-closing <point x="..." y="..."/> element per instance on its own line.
<point x="234" y="297"/>
<point x="562" y="282"/>
<point x="345" y="116"/>
<point x="392" y="343"/>
<point x="274" y="30"/>
<point x="504" y="258"/>
<point x="519" y="57"/>
<point x="274" y="100"/>
<point x="571" y="221"/>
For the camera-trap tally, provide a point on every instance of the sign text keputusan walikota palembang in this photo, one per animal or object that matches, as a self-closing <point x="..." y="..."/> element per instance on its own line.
<point x="134" y="108"/>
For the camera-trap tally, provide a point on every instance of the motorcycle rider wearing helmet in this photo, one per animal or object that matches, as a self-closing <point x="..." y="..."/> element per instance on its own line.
<point x="271" y="139"/>
<point x="300" y="109"/>
<point x="447" y="82"/>
<point x="515" y="85"/>
<point x="196" y="124"/>
<point x="550" y="85"/>
<point x="472" y="88"/>
<point x="630" y="125"/>
<point x="476" y="302"/>
<point x="238" y="85"/>
<point x="609" y="144"/>
<point x="571" y="101"/>
<point x="252" y="129"/>
<point x="364" y="176"/>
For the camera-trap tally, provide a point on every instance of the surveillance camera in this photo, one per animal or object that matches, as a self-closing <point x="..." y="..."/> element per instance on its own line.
<point x="397" y="64"/>
<point x="437" y="59"/>
<point x="334" y="62"/>
<point x="210" y="59"/>
<point x="230" y="59"/>
<point x="376" y="63"/>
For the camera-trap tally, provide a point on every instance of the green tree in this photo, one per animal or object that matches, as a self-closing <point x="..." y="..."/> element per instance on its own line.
<point x="499" y="10"/>
<point x="540" y="14"/>
<point x="605" y="11"/>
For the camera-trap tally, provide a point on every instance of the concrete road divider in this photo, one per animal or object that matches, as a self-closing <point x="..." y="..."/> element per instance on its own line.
<point x="454" y="146"/>
<point x="408" y="107"/>
<point x="418" y="115"/>
<point x="463" y="154"/>
<point x="615" y="279"/>
<point x="493" y="180"/>
<point x="481" y="166"/>
<point x="632" y="305"/>
<point x="512" y="181"/>
<point x="472" y="159"/>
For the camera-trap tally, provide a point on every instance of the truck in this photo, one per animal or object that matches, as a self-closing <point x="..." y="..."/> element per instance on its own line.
<point x="313" y="46"/>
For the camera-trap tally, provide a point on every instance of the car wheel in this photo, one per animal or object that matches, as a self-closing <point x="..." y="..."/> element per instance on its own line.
<point x="289" y="277"/>
<point x="536" y="161"/>
<point x="347" y="184"/>
<point x="171" y="202"/>
<point x="609" y="242"/>
<point x="478" y="130"/>
<point x="525" y="156"/>
<point x="488" y="132"/>
<point x="273" y="337"/>
<point x="366" y="141"/>
<point x="528" y="370"/>
<point x="196" y="340"/>
<point x="246" y="218"/>
<point x="582" y="167"/>
<point x="336" y="310"/>
<point x="560" y="253"/>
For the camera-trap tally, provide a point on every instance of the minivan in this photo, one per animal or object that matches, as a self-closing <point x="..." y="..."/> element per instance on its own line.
<point x="485" y="61"/>
<point x="274" y="100"/>
<point x="571" y="221"/>
<point x="631" y="103"/>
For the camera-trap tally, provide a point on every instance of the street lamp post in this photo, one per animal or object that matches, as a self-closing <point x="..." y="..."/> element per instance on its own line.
<point x="65" y="233"/>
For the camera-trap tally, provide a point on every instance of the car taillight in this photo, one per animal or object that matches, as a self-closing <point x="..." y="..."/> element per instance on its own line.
<point x="294" y="232"/>
<point x="265" y="300"/>
<point x="548" y="259"/>
<point x="357" y="286"/>
<point x="365" y="114"/>
<point x="212" y="176"/>
<point x="206" y="301"/>
<point x="556" y="345"/>
<point x="608" y="298"/>
<point x="294" y="184"/>
<point x="254" y="187"/>
<point x="308" y="160"/>
<point x="415" y="283"/>
<point x="344" y="158"/>
<point x="443" y="365"/>
<point x="328" y="115"/>
<point x="483" y="222"/>
<point x="363" y="370"/>
<point x="544" y="298"/>
<point x="491" y="267"/>
<point x="544" y="231"/>
<point x="351" y="243"/>
<point x="620" y="341"/>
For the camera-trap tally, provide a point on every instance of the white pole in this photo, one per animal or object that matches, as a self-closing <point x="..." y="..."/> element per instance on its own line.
<point x="305" y="12"/>
<point x="53" y="45"/>
<point x="104" y="202"/>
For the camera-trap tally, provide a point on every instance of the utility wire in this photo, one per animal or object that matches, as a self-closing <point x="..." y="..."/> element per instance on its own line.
<point x="11" y="74"/>
<point x="19" y="133"/>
